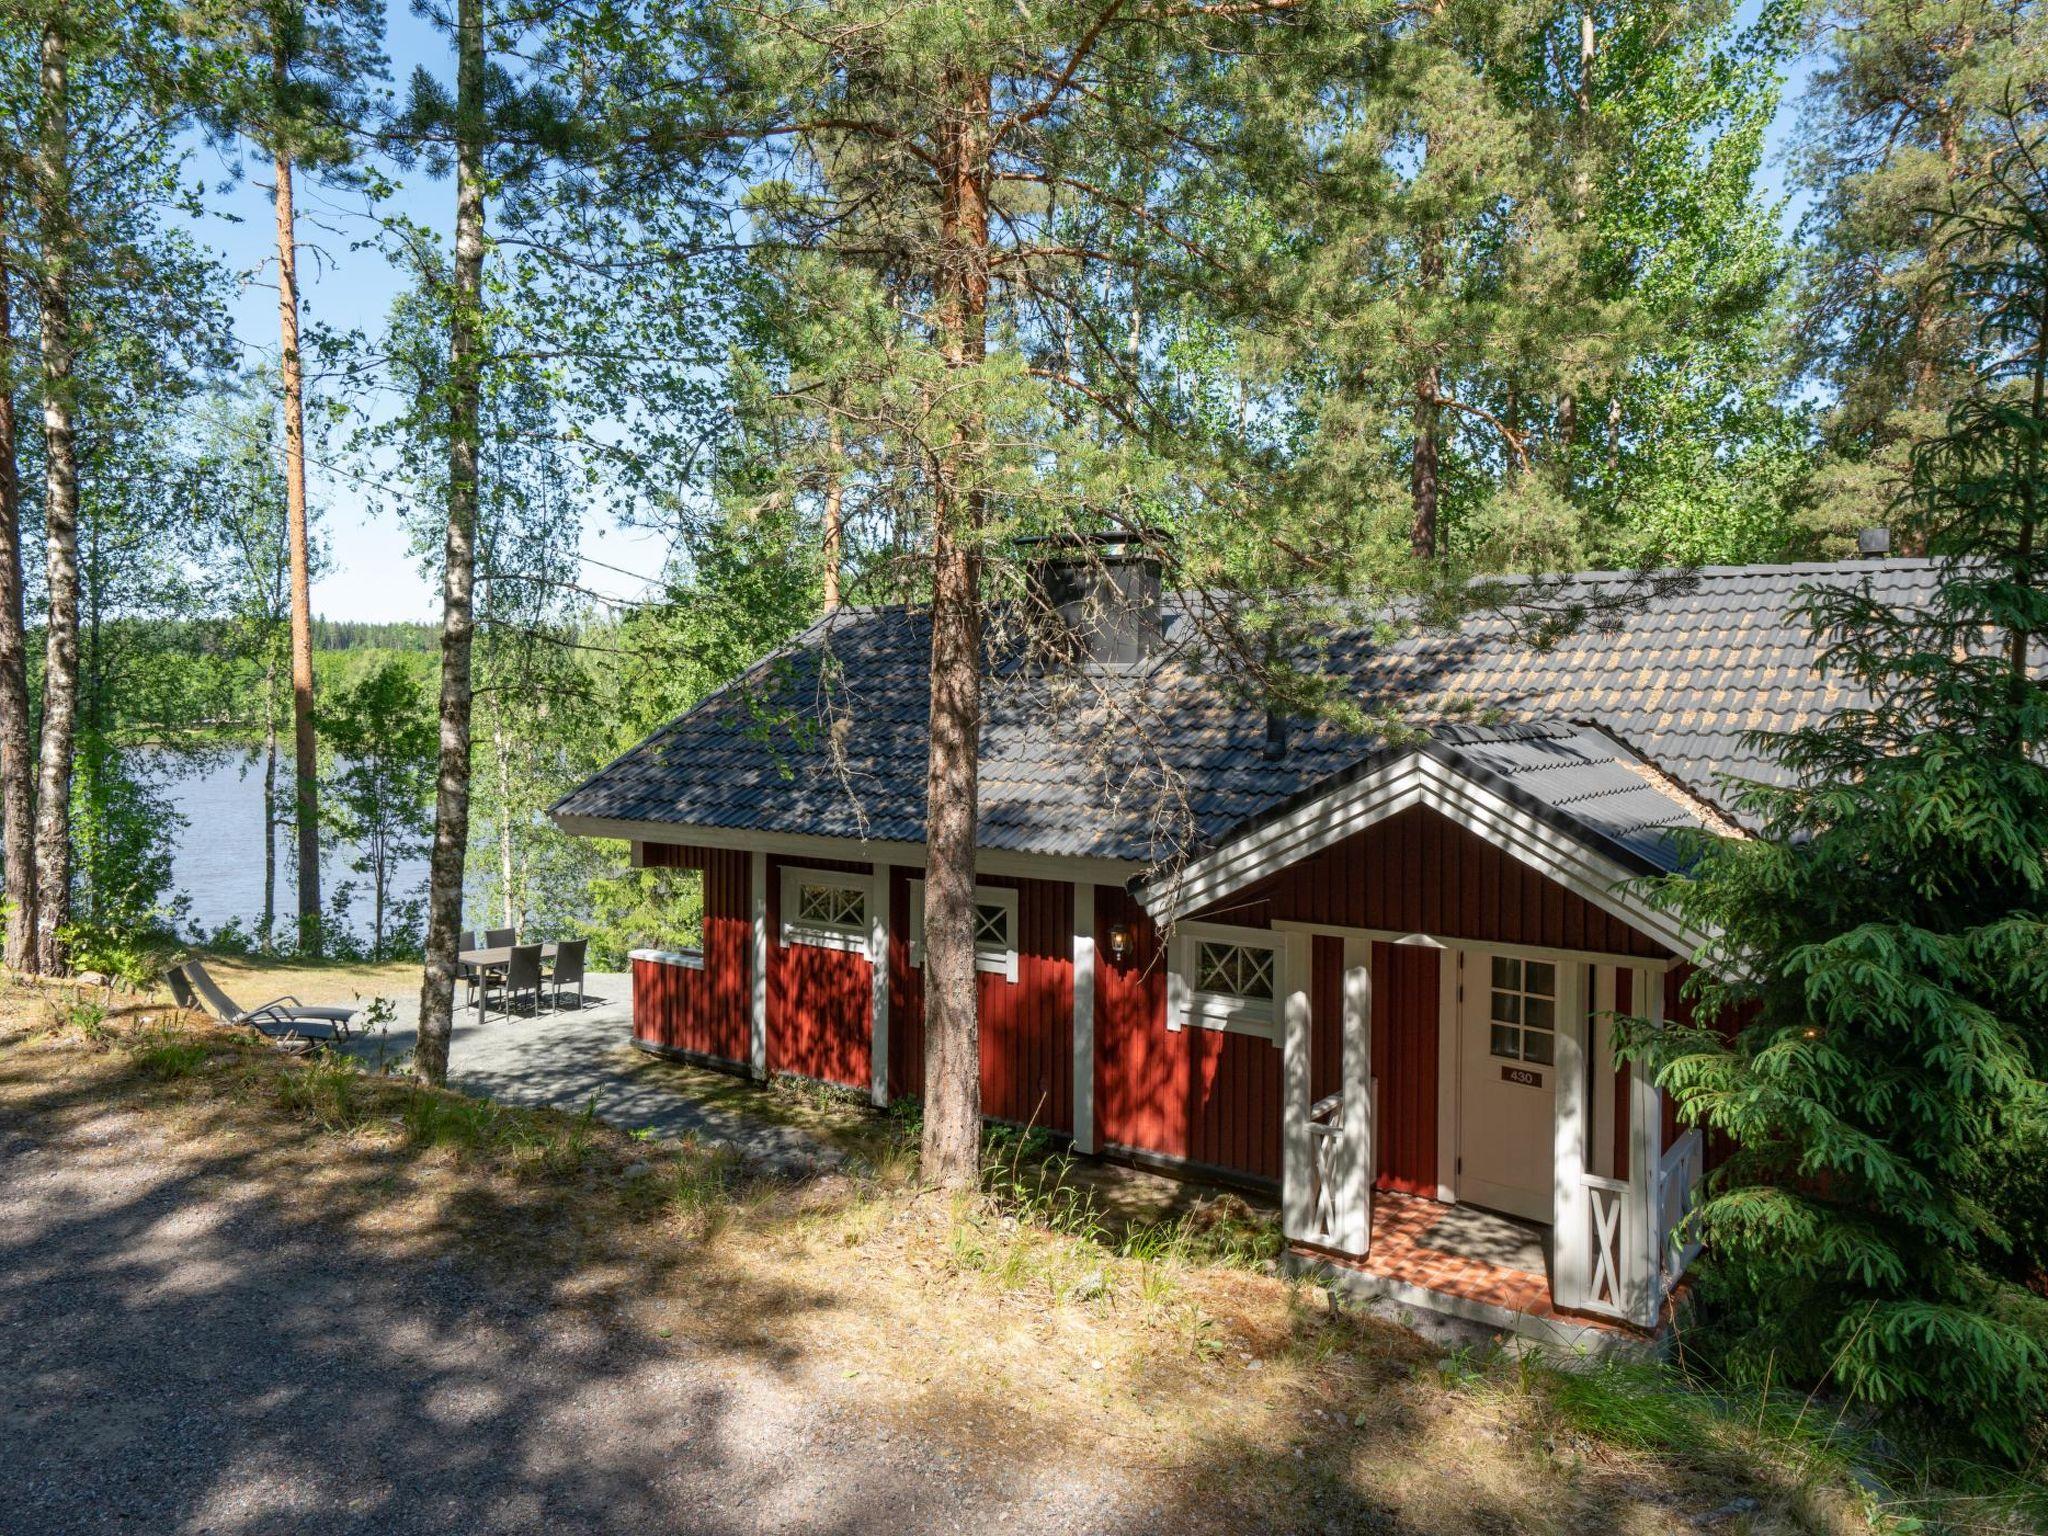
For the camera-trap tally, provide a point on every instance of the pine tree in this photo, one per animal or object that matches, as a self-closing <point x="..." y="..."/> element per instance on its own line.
<point x="1904" y="110"/>
<point x="296" y="76"/>
<point x="1883" y="940"/>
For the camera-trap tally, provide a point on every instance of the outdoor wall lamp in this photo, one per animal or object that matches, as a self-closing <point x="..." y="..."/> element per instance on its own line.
<point x="1119" y="942"/>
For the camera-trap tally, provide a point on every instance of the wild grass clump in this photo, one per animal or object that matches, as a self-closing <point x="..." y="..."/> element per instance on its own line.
<point x="165" y="1055"/>
<point x="691" y="1182"/>
<point x="326" y="1088"/>
<point x="1223" y="1231"/>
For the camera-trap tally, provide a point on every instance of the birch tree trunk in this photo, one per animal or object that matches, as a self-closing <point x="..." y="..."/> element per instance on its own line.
<point x="17" y="753"/>
<point x="952" y="1109"/>
<point x="60" y="505"/>
<point x="305" y="745"/>
<point x="499" y="748"/>
<point x="270" y="817"/>
<point x="465" y="362"/>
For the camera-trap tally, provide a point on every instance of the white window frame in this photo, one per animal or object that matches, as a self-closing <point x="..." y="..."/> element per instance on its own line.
<point x="996" y="961"/>
<point x="851" y="937"/>
<point x="1188" y="1008"/>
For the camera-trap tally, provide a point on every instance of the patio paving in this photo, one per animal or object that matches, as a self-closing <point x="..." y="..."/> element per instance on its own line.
<point x="565" y="1060"/>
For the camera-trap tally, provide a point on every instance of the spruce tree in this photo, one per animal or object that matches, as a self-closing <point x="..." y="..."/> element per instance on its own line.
<point x="1882" y="942"/>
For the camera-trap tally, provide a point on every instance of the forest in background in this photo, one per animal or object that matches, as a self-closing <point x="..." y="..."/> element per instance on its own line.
<point x="1512" y="290"/>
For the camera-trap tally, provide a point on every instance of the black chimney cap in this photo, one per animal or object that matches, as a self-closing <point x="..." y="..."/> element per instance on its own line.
<point x="1872" y="542"/>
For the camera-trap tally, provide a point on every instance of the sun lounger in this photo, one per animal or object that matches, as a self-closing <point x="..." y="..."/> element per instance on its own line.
<point x="281" y="1018"/>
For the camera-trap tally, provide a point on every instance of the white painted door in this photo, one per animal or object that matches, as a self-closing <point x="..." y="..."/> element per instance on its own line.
<point x="1507" y="1110"/>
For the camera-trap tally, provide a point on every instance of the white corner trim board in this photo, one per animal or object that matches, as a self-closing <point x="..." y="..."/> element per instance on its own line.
<point x="1417" y="779"/>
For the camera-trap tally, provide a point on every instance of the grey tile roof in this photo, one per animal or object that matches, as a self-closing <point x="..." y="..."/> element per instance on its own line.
<point x="827" y="736"/>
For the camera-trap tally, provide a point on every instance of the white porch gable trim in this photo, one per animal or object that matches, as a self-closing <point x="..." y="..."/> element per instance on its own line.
<point x="1415" y="779"/>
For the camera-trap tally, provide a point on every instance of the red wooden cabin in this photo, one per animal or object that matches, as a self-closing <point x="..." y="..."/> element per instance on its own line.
<point x="1380" y="979"/>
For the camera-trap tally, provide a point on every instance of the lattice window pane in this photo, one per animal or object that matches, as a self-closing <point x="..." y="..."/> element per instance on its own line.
<point x="1234" y="970"/>
<point x="1507" y="1007"/>
<point x="1507" y="1041"/>
<point x="837" y="906"/>
<point x="1539" y="1012"/>
<point x="1539" y="978"/>
<point x="1507" y="973"/>
<point x="1536" y="1046"/>
<point x="991" y="926"/>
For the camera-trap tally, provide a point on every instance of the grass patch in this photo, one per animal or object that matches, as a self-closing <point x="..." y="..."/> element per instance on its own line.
<point x="166" y="1054"/>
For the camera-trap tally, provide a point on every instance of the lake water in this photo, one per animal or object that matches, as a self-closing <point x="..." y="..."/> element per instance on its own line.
<point x="217" y="858"/>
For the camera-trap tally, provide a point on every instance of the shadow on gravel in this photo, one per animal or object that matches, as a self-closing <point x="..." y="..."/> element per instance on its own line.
<point x="183" y="1348"/>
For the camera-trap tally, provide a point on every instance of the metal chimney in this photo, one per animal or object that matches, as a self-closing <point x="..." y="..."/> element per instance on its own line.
<point x="1874" y="543"/>
<point x="1103" y="589"/>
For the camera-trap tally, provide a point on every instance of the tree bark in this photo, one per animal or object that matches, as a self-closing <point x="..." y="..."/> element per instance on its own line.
<point x="1423" y="482"/>
<point x="60" y="506"/>
<point x="952" y="1110"/>
<point x="499" y="748"/>
<point x="835" y="491"/>
<point x="17" y="755"/>
<point x="270" y="818"/>
<point x="465" y="367"/>
<point x="1422" y="471"/>
<point x="305" y="744"/>
<point x="1582" y="192"/>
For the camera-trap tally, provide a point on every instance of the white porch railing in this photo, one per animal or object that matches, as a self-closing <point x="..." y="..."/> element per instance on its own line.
<point x="1679" y="1173"/>
<point x="1607" y="1215"/>
<point x="1325" y="1131"/>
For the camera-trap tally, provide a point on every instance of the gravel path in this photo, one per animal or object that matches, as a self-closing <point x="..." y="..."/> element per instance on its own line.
<point x="565" y="1059"/>
<point x="178" y="1355"/>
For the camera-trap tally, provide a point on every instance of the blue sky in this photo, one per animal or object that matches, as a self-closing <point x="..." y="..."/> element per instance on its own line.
<point x="371" y="573"/>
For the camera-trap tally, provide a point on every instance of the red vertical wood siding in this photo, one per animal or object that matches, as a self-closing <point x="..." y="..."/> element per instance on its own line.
<point x="1027" y="1026"/>
<point x="906" y="995"/>
<point x="818" y="999"/>
<point x="1418" y="872"/>
<point x="1202" y="1095"/>
<point x="703" y="1011"/>
<point x="1406" y="1003"/>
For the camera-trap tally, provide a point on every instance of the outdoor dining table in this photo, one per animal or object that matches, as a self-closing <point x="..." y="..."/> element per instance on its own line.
<point x="483" y="961"/>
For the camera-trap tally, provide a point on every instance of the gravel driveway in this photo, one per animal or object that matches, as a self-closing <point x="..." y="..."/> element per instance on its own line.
<point x="178" y="1355"/>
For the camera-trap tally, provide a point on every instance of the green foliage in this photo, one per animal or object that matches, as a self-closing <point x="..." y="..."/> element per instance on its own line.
<point x="384" y="742"/>
<point x="1882" y="944"/>
<point x="123" y="912"/>
<point x="1906" y="109"/>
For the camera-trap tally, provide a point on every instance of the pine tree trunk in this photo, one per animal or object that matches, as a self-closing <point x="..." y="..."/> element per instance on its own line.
<point x="60" y="507"/>
<point x="835" y="490"/>
<point x="17" y="754"/>
<point x="465" y="362"/>
<point x="952" y="1109"/>
<point x="1422" y="471"/>
<point x="1423" y="479"/>
<point x="305" y="745"/>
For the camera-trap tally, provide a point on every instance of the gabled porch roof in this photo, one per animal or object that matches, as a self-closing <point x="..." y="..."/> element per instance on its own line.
<point x="1569" y="800"/>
